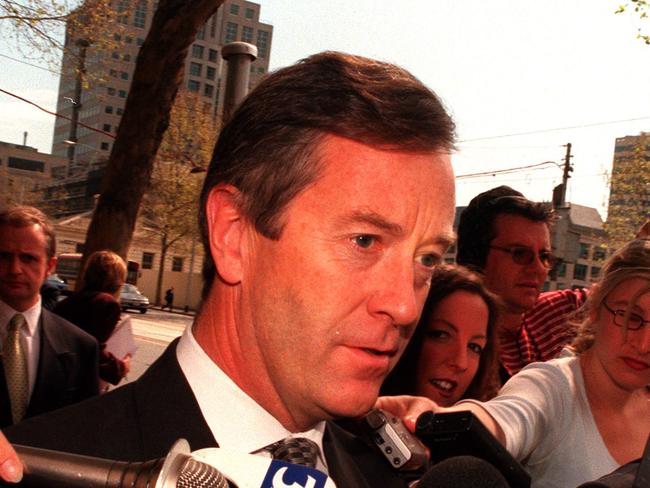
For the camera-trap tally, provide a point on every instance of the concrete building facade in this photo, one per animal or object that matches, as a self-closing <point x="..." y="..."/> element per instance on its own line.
<point x="100" y="104"/>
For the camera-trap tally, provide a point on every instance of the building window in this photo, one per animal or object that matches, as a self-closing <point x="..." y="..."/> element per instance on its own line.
<point x="124" y="75"/>
<point x="147" y="260"/>
<point x="119" y="111"/>
<point x="115" y="55"/>
<point x="106" y="128"/>
<point x="177" y="263"/>
<point x="247" y="34"/>
<point x="599" y="253"/>
<point x="140" y="16"/>
<point x="561" y="270"/>
<point x="262" y="43"/>
<point x="200" y="35"/>
<point x="208" y="90"/>
<point x="110" y="90"/>
<point x="193" y="85"/>
<point x="250" y="13"/>
<point x="195" y="69"/>
<point x="25" y="164"/>
<point x="121" y="93"/>
<point x="108" y="109"/>
<point x="595" y="272"/>
<point x="140" y="41"/>
<point x="112" y="73"/>
<point x="234" y="9"/>
<point x="584" y="250"/>
<point x="127" y="57"/>
<point x="197" y="51"/>
<point x="128" y="39"/>
<point x="231" y="32"/>
<point x="260" y="70"/>
<point x="104" y="146"/>
<point x="212" y="55"/>
<point x="580" y="272"/>
<point x="210" y="73"/>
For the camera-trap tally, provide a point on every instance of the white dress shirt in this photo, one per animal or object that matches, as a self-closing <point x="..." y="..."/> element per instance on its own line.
<point x="236" y="421"/>
<point x="30" y="336"/>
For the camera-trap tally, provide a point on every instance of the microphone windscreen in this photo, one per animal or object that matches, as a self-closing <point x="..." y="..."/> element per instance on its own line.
<point x="462" y="472"/>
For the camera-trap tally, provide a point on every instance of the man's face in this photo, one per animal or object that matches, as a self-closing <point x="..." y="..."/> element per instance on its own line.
<point x="24" y="265"/>
<point x="518" y="285"/>
<point x="334" y="301"/>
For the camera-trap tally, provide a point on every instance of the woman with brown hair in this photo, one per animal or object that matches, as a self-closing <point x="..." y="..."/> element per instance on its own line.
<point x="96" y="309"/>
<point x="452" y="354"/>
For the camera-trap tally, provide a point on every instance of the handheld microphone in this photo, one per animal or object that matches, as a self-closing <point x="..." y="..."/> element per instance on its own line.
<point x="251" y="471"/>
<point x="462" y="472"/>
<point x="50" y="469"/>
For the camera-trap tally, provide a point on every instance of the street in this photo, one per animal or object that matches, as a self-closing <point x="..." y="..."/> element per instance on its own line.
<point x="153" y="331"/>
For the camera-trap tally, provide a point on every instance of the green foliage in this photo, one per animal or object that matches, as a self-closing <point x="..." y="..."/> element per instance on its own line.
<point x="640" y="8"/>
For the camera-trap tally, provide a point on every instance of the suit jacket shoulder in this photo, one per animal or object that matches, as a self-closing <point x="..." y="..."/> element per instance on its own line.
<point x="135" y="422"/>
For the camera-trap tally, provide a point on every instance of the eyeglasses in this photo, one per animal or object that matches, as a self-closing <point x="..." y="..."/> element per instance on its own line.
<point x="525" y="255"/>
<point x="634" y="321"/>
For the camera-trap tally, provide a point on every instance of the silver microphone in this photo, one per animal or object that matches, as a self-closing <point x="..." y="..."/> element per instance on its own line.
<point x="51" y="469"/>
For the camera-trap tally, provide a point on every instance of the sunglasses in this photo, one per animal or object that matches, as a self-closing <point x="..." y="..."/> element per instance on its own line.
<point x="525" y="255"/>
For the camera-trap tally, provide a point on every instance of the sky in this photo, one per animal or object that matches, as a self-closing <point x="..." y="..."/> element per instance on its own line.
<point x="521" y="78"/>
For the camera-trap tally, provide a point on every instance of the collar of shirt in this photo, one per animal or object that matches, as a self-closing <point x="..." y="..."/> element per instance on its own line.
<point x="236" y="421"/>
<point x="32" y="316"/>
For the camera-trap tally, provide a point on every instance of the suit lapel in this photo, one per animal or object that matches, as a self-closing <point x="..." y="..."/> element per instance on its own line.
<point x="50" y="373"/>
<point x="171" y="411"/>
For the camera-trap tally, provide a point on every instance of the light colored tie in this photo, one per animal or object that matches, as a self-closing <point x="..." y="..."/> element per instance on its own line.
<point x="15" y="367"/>
<point x="296" y="450"/>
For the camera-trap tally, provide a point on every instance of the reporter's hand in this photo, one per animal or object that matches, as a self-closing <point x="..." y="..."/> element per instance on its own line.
<point x="408" y="408"/>
<point x="11" y="469"/>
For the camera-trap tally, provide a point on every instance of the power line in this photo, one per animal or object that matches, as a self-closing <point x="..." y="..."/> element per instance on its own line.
<point x="508" y="170"/>
<point x="56" y="114"/>
<point x="539" y="131"/>
<point x="30" y="64"/>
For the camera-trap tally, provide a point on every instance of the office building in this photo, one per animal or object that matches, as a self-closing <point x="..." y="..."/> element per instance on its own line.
<point x="99" y="101"/>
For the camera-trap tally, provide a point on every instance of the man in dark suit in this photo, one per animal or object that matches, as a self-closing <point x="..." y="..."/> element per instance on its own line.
<point x="328" y="202"/>
<point x="47" y="362"/>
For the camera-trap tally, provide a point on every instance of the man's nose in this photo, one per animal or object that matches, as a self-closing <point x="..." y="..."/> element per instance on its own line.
<point x="396" y="295"/>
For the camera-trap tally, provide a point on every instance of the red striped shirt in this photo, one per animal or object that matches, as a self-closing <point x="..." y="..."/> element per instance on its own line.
<point x="544" y="331"/>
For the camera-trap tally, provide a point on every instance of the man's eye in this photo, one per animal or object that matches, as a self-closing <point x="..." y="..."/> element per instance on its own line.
<point x="364" y="241"/>
<point x="429" y="260"/>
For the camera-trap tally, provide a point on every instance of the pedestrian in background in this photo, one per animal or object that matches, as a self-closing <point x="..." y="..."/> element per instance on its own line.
<point x="169" y="299"/>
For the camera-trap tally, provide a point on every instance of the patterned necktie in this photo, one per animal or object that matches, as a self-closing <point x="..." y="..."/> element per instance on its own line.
<point x="296" y="450"/>
<point x="15" y="366"/>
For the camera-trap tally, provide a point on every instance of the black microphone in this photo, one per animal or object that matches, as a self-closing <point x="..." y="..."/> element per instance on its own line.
<point x="463" y="472"/>
<point x="45" y="468"/>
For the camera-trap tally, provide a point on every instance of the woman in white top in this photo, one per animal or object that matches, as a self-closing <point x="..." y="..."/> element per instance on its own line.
<point x="575" y="419"/>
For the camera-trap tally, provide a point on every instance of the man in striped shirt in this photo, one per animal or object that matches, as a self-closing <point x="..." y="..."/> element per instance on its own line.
<point x="506" y="237"/>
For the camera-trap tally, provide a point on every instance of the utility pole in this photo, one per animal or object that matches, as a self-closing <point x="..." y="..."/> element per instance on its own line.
<point x="559" y="192"/>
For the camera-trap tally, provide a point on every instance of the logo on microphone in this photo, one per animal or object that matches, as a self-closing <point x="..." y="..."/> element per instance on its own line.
<point x="286" y="475"/>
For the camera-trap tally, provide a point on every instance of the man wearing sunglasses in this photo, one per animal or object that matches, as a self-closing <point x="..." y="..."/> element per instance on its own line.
<point x="507" y="238"/>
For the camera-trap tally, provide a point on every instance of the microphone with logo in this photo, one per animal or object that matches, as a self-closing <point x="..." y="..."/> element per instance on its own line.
<point x="206" y="468"/>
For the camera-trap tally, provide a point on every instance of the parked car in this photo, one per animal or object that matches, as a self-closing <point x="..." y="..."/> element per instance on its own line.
<point x="132" y="298"/>
<point x="56" y="282"/>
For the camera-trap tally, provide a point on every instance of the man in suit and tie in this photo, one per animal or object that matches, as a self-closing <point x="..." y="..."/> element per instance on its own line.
<point x="47" y="362"/>
<point x="327" y="205"/>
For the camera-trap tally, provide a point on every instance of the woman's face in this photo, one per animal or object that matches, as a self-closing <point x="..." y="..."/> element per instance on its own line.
<point x="452" y="345"/>
<point x="625" y="355"/>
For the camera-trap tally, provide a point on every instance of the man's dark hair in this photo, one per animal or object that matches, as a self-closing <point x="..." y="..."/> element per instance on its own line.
<point x="476" y="226"/>
<point x="24" y="216"/>
<point x="269" y="149"/>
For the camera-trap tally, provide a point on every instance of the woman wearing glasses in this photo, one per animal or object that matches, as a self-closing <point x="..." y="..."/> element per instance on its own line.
<point x="574" y="419"/>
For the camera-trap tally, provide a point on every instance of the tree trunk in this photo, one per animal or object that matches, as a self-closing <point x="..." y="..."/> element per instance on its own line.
<point x="157" y="76"/>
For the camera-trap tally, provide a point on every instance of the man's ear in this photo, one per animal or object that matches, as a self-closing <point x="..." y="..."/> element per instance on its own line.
<point x="51" y="265"/>
<point x="226" y="227"/>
